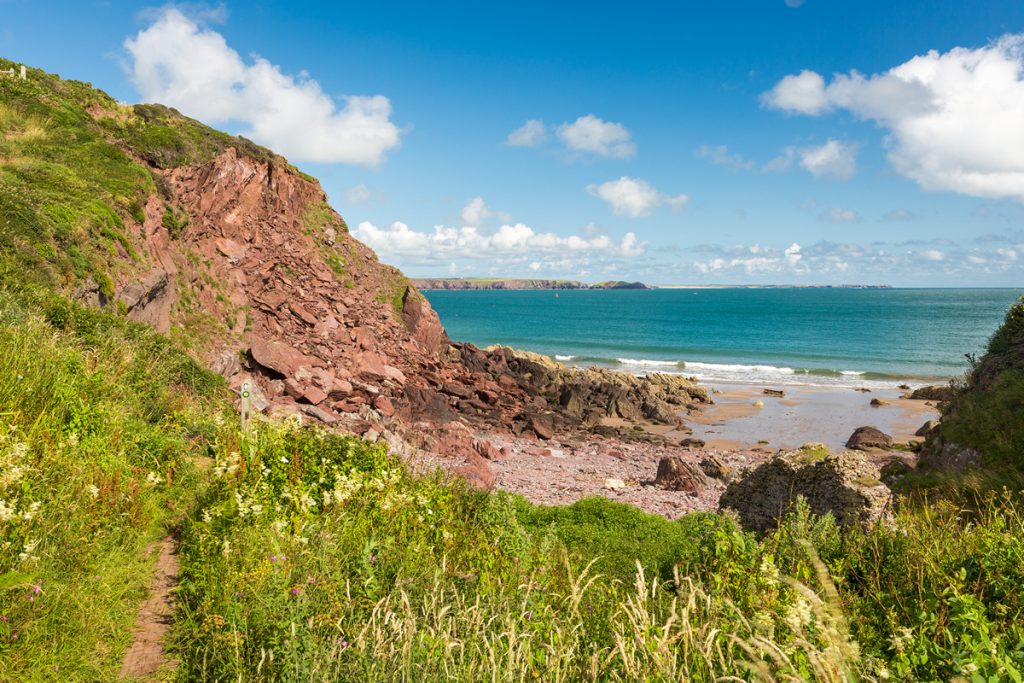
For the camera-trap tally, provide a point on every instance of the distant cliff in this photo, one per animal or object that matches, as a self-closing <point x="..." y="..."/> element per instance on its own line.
<point x="516" y="283"/>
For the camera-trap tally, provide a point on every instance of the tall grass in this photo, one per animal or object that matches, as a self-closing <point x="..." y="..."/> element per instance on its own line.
<point x="98" y="426"/>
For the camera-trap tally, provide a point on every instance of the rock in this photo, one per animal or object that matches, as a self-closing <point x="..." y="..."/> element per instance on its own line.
<point x="314" y="395"/>
<point x="904" y="387"/>
<point x="225" y="364"/>
<point x="690" y="442"/>
<point x="279" y="357"/>
<point x="928" y="428"/>
<point x="319" y="413"/>
<point x="384" y="405"/>
<point x="952" y="457"/>
<point x="879" y="402"/>
<point x="614" y="484"/>
<point x="937" y="392"/>
<point x="487" y="450"/>
<point x="774" y="392"/>
<point x="457" y="390"/>
<point x="234" y="251"/>
<point x="759" y="404"/>
<point x="864" y="438"/>
<point x="341" y="387"/>
<point x="542" y="425"/>
<point x="713" y="467"/>
<point x="476" y="472"/>
<point x="676" y="474"/>
<point x="844" y="484"/>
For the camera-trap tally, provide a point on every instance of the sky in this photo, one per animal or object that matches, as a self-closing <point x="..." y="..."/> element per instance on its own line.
<point x="727" y="142"/>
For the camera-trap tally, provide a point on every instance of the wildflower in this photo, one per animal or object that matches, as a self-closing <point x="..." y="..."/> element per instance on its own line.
<point x="969" y="668"/>
<point x="296" y="590"/>
<point x="153" y="479"/>
<point x="94" y="491"/>
<point x="226" y="548"/>
<point x="27" y="515"/>
<point x="284" y="460"/>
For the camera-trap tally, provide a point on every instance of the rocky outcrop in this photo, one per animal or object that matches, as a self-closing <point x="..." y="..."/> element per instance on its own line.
<point x="865" y="438"/>
<point x="843" y="484"/>
<point x="938" y="392"/>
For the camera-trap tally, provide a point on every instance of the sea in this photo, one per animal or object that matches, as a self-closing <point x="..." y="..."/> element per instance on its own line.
<point x="777" y="336"/>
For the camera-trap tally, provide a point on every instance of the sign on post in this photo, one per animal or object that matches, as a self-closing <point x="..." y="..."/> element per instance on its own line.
<point x="245" y="406"/>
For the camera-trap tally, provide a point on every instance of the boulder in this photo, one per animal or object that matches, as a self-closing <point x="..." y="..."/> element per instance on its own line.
<point x="542" y="425"/>
<point x="844" y="484"/>
<point x="690" y="442"/>
<point x="713" y="467"/>
<point x="774" y="392"/>
<point x="487" y="450"/>
<point x="676" y="474"/>
<point x="935" y="392"/>
<point x="952" y="456"/>
<point x="879" y="402"/>
<point x="613" y="484"/>
<point x="928" y="428"/>
<point x="279" y="357"/>
<point x="864" y="438"/>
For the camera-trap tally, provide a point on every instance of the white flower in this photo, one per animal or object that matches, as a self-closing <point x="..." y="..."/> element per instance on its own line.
<point x="153" y="479"/>
<point x="226" y="548"/>
<point x="7" y="510"/>
<point x="94" y="491"/>
<point x="284" y="460"/>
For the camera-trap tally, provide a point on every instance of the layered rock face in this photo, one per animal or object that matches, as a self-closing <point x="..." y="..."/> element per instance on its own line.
<point x="843" y="484"/>
<point x="249" y="251"/>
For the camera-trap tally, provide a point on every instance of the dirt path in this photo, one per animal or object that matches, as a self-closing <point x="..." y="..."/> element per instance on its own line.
<point x="146" y="655"/>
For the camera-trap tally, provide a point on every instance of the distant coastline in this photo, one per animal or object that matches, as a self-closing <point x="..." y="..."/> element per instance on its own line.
<point x="518" y="283"/>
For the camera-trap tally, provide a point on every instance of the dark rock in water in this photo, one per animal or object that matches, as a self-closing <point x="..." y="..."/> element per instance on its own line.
<point x="937" y="392"/>
<point x="928" y="428"/>
<point x="713" y="467"/>
<point x="904" y="387"/>
<point x="864" y="438"/>
<point x="879" y="402"/>
<point x="844" y="484"/>
<point x="676" y="474"/>
<point x="774" y="392"/>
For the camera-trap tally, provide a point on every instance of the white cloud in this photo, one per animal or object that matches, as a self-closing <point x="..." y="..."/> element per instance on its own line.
<point x="531" y="134"/>
<point x="837" y="215"/>
<point x="955" y="119"/>
<point x="178" y="63"/>
<point x="720" y="156"/>
<point x="446" y="242"/>
<point x="475" y="211"/>
<point x="900" y="215"/>
<point x="358" y="194"/>
<point x="634" y="197"/>
<point x="803" y="93"/>
<point x="933" y="255"/>
<point x="592" y="134"/>
<point x="834" y="159"/>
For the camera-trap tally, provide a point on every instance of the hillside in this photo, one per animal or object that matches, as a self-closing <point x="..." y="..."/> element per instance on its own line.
<point x="149" y="265"/>
<point x="982" y="427"/>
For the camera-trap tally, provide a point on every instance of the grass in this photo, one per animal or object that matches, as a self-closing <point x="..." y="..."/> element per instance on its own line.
<point x="100" y="425"/>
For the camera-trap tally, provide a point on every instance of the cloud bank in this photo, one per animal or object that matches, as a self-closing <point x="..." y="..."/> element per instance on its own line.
<point x="177" y="62"/>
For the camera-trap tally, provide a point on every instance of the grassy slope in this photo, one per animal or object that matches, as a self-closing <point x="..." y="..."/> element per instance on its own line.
<point x="307" y="554"/>
<point x="987" y="413"/>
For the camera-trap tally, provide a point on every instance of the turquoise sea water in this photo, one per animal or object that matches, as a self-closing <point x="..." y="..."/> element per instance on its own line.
<point x="813" y="336"/>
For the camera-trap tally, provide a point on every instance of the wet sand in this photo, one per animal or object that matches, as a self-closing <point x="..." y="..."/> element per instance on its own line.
<point x="825" y="415"/>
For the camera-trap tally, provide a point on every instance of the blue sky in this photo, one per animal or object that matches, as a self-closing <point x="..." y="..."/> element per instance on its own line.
<point x="727" y="142"/>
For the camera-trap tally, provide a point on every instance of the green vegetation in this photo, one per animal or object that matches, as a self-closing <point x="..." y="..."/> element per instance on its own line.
<point x="311" y="555"/>
<point x="986" y="411"/>
<point x="101" y="426"/>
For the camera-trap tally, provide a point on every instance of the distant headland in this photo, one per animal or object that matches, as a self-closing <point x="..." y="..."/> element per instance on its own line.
<point x="517" y="283"/>
<point x="472" y="283"/>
